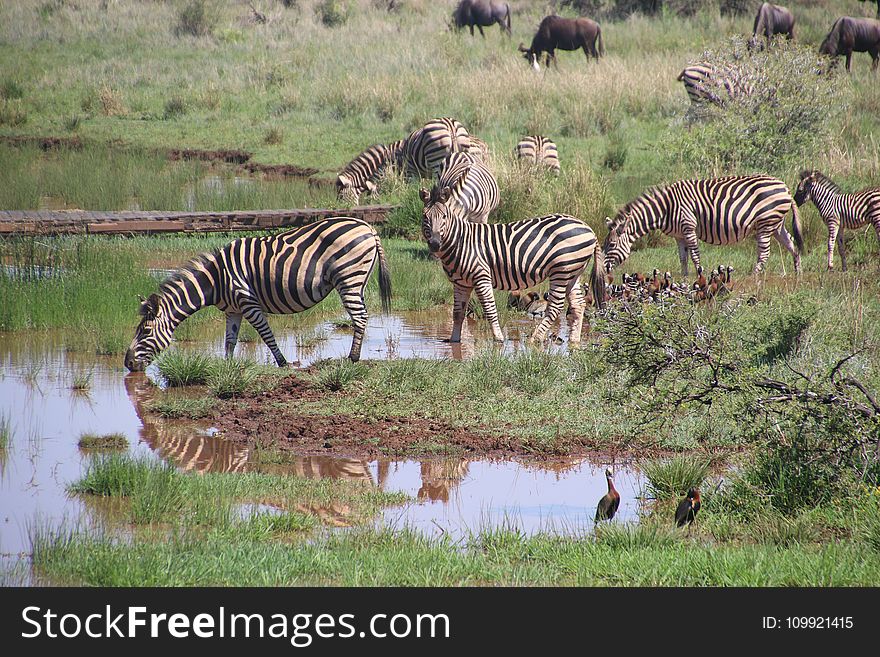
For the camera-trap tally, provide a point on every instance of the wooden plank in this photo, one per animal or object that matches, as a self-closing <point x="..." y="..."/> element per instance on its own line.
<point x="149" y="226"/>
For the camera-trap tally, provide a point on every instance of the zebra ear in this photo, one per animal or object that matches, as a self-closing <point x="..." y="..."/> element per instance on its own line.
<point x="426" y="196"/>
<point x="444" y="194"/>
<point x="150" y="307"/>
<point x="522" y="47"/>
<point x="142" y="298"/>
<point x="608" y="222"/>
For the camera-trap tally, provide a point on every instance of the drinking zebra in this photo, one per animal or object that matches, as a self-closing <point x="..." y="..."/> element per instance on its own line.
<point x="514" y="256"/>
<point x="716" y="211"/>
<point x="423" y="151"/>
<point x="249" y="277"/>
<point x="359" y="176"/>
<point x="473" y="188"/>
<point x="837" y="209"/>
<point x="538" y="150"/>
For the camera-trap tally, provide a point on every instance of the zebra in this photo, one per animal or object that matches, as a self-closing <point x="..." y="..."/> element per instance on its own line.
<point x="423" y="151"/>
<point x="513" y="256"/>
<point x="837" y="209"/>
<point x="284" y="273"/>
<point x="702" y="83"/>
<point x="538" y="150"/>
<point x="473" y="188"/>
<point x="479" y="149"/>
<point x="717" y="211"/>
<point x="360" y="174"/>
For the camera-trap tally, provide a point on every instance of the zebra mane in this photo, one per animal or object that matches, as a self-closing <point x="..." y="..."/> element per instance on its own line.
<point x="193" y="265"/>
<point x="820" y="177"/>
<point x="623" y="216"/>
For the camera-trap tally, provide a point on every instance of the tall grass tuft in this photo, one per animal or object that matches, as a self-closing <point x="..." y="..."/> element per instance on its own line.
<point x="185" y="368"/>
<point x="5" y="431"/>
<point x="630" y="536"/>
<point x="340" y="374"/>
<point x="675" y="476"/>
<point x="230" y="377"/>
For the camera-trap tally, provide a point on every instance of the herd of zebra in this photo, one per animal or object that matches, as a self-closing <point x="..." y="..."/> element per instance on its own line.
<point x="293" y="271"/>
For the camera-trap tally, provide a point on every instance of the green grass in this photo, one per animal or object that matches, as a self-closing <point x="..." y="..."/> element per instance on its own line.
<point x="390" y="558"/>
<point x="5" y="431"/>
<point x="175" y="407"/>
<point x="674" y="477"/>
<point x="102" y="442"/>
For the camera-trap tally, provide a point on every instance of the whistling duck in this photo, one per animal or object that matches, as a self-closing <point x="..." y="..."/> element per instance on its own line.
<point x="687" y="509"/>
<point x="607" y="506"/>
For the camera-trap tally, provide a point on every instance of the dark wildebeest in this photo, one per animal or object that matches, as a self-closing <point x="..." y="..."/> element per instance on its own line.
<point x="770" y="21"/>
<point x="850" y="35"/>
<point x="566" y="34"/>
<point x="482" y="13"/>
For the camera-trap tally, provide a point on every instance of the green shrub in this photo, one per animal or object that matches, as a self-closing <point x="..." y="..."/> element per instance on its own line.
<point x="197" y="18"/>
<point x="174" y="107"/>
<point x="782" y="110"/>
<point x="675" y="477"/>
<point x="333" y="13"/>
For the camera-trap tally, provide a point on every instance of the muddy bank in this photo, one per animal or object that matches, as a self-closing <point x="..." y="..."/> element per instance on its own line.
<point x="269" y="420"/>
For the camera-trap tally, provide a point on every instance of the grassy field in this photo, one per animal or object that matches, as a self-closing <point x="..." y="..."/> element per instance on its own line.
<point x="129" y="82"/>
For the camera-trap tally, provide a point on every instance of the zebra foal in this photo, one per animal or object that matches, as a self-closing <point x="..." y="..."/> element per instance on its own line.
<point x="837" y="209"/>
<point x="715" y="210"/>
<point x="283" y="274"/>
<point x="514" y="256"/>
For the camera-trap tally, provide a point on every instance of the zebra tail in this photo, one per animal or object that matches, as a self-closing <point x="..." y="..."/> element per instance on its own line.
<point x="597" y="276"/>
<point x="384" y="278"/>
<point x="601" y="44"/>
<point x="796" y="228"/>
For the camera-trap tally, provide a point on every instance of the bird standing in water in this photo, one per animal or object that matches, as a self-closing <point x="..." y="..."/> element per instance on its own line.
<point x="607" y="506"/>
<point x="687" y="509"/>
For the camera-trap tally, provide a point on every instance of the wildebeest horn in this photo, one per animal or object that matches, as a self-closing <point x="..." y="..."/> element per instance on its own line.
<point x="522" y="48"/>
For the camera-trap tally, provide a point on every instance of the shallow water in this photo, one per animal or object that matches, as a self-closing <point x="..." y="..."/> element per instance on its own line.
<point x="47" y="418"/>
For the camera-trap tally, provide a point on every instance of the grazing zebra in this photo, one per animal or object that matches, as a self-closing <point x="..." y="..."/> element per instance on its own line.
<point x="837" y="209"/>
<point x="514" y="256"/>
<point x="423" y="151"/>
<point x="538" y="150"/>
<point x="473" y="189"/>
<point x="284" y="273"/>
<point x="359" y="175"/>
<point x="716" y="211"/>
<point x="480" y="149"/>
<point x="703" y="83"/>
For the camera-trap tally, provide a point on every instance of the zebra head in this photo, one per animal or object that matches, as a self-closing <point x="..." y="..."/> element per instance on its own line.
<point x="436" y="216"/>
<point x="805" y="187"/>
<point x="350" y="192"/>
<point x="618" y="242"/>
<point x="153" y="334"/>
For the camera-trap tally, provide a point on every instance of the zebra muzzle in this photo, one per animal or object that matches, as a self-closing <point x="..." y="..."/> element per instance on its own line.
<point x="132" y="364"/>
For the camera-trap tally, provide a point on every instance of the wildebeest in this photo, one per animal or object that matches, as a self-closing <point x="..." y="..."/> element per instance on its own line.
<point x="770" y="21"/>
<point x="850" y="35"/>
<point x="565" y="34"/>
<point x="482" y="13"/>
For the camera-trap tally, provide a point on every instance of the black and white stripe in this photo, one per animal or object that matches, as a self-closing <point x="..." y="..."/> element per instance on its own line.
<point x="706" y="84"/>
<point x="473" y="188"/>
<point x="536" y="149"/>
<point x="716" y="211"/>
<point x="359" y="176"/>
<point x="424" y="150"/>
<point x="283" y="274"/>
<point x="515" y="256"/>
<point x="839" y="210"/>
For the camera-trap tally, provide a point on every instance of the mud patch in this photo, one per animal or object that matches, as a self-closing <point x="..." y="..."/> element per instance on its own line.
<point x="269" y="420"/>
<point x="279" y="170"/>
<point x="45" y="143"/>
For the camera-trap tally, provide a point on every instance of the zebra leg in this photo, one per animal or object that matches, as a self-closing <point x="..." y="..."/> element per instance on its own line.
<point x="483" y="288"/>
<point x="763" y="240"/>
<point x="841" y="244"/>
<point x="254" y="314"/>
<point x="356" y="307"/>
<point x="683" y="256"/>
<point x="555" y="304"/>
<point x="576" y="306"/>
<point x="693" y="247"/>
<point x="833" y="227"/>
<point x="461" y="296"/>
<point x="784" y="238"/>
<point x="233" y="324"/>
